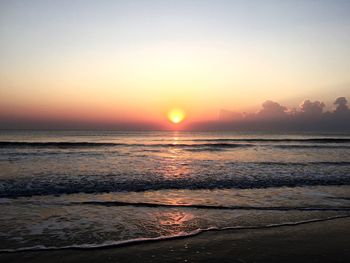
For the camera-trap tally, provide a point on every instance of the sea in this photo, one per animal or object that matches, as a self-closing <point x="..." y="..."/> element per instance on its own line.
<point x="91" y="189"/>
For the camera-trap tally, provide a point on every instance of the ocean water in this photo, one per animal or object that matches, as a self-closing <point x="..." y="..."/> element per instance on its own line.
<point x="62" y="189"/>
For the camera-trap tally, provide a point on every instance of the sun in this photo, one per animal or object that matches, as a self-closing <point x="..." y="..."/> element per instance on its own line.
<point x="176" y="115"/>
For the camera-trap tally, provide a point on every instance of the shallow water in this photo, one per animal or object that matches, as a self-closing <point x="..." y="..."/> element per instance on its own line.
<point x="86" y="189"/>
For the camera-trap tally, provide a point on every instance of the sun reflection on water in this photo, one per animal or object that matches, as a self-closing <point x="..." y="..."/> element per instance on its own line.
<point x="175" y="162"/>
<point x="175" y="218"/>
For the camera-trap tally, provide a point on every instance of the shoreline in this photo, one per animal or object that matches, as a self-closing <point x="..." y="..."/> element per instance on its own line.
<point x="140" y="241"/>
<point x="321" y="241"/>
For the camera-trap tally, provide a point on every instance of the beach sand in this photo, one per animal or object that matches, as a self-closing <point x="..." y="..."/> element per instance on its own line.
<point x="326" y="241"/>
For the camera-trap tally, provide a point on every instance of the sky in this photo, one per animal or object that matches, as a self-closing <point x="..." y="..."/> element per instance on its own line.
<point x="133" y="61"/>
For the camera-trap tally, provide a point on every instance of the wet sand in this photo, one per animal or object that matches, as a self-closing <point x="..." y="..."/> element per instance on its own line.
<point x="326" y="241"/>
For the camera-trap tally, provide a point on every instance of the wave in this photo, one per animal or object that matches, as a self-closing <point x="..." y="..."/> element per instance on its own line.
<point x="214" y="207"/>
<point x="212" y="146"/>
<point x="296" y="163"/>
<point x="111" y="243"/>
<point x="310" y="140"/>
<point x="105" y="144"/>
<point x="223" y="146"/>
<point x="301" y="146"/>
<point x="10" y="188"/>
<point x="56" y="144"/>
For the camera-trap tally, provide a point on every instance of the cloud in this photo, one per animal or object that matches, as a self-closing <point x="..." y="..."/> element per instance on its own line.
<point x="271" y="109"/>
<point x="309" y="116"/>
<point x="310" y="108"/>
<point x="341" y="105"/>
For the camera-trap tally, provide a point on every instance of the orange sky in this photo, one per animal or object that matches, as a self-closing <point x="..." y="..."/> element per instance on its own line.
<point x="122" y="62"/>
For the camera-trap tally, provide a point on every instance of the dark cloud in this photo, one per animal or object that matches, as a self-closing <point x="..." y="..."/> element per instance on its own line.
<point x="310" y="116"/>
<point x="312" y="108"/>
<point x="341" y="106"/>
<point x="272" y="110"/>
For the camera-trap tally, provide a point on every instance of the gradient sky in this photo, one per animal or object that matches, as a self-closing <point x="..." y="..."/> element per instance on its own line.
<point x="134" y="60"/>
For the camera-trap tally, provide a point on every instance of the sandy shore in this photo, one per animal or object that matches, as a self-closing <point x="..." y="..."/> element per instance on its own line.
<point x="327" y="241"/>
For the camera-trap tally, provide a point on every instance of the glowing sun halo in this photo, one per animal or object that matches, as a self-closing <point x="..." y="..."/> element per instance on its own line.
<point x="176" y="115"/>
